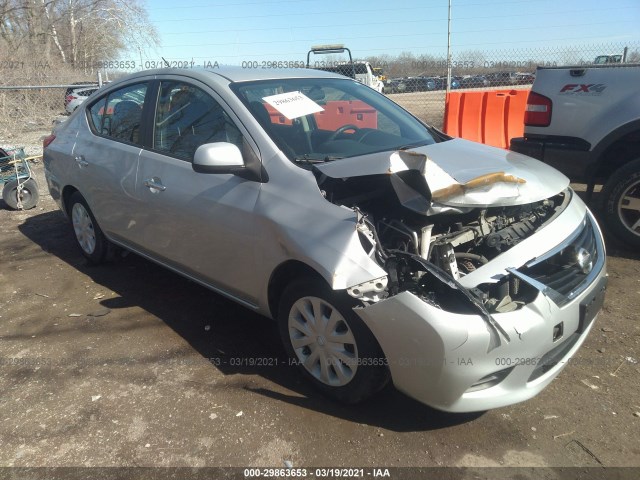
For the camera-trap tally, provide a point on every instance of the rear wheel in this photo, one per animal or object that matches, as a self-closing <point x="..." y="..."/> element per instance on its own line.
<point x="331" y="345"/>
<point x="88" y="234"/>
<point x="622" y="203"/>
<point x="24" y="197"/>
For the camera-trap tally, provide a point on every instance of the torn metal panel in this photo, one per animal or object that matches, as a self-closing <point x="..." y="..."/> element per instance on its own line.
<point x="322" y="235"/>
<point x="459" y="174"/>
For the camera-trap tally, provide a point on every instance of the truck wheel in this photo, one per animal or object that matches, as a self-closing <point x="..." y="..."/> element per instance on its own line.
<point x="92" y="242"/>
<point x="27" y="195"/>
<point x="622" y="203"/>
<point x="331" y="345"/>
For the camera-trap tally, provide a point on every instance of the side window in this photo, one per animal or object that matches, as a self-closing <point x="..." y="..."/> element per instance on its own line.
<point x="119" y="114"/>
<point x="187" y="117"/>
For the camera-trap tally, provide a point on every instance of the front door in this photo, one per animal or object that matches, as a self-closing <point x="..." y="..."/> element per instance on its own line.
<point x="200" y="224"/>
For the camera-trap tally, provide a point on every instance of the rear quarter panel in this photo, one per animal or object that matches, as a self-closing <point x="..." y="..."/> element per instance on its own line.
<point x="58" y="158"/>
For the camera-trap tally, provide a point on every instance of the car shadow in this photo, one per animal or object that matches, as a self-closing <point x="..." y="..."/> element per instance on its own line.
<point x="226" y="331"/>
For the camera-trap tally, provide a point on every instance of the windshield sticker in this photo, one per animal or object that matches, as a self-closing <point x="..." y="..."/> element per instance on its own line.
<point x="293" y="104"/>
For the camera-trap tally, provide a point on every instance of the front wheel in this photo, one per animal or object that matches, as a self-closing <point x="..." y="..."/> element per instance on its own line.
<point x="622" y="203"/>
<point x="88" y="234"/>
<point x="23" y="197"/>
<point x="331" y="345"/>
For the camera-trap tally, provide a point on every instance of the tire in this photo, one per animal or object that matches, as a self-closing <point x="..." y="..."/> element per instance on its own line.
<point x="89" y="237"/>
<point x="28" y="194"/>
<point x="355" y="366"/>
<point x="621" y="196"/>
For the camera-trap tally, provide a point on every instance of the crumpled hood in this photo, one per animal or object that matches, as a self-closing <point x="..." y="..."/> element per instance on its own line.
<point x="458" y="173"/>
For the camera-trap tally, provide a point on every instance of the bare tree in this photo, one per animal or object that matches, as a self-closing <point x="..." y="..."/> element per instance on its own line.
<point x="468" y="60"/>
<point x="74" y="31"/>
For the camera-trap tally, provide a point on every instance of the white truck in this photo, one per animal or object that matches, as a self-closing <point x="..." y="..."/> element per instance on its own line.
<point x="585" y="121"/>
<point x="612" y="57"/>
<point x="361" y="71"/>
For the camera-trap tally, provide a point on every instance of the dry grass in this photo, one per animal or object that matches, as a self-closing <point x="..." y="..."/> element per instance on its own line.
<point x="25" y="114"/>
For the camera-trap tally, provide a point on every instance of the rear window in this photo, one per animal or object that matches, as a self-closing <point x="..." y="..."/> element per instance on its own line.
<point x="118" y="115"/>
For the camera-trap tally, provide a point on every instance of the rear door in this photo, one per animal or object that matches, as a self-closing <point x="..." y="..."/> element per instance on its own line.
<point x="106" y="158"/>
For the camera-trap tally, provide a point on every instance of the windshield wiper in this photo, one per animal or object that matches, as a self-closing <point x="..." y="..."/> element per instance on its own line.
<point x="412" y="145"/>
<point x="307" y="159"/>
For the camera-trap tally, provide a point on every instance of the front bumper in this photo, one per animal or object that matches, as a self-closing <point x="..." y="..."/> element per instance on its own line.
<point x="445" y="360"/>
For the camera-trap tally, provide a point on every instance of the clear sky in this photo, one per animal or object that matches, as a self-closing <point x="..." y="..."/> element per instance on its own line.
<point x="233" y="31"/>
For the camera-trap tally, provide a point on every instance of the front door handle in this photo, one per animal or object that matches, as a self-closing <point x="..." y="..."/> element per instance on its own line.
<point x="154" y="184"/>
<point x="81" y="161"/>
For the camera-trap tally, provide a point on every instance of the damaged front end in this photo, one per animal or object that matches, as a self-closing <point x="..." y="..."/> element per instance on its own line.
<point x="428" y="240"/>
<point x="467" y="263"/>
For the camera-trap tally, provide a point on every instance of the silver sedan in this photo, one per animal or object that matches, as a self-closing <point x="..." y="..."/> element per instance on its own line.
<point x="385" y="249"/>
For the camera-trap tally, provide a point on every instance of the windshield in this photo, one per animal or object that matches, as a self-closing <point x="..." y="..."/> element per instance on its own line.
<point x="324" y="119"/>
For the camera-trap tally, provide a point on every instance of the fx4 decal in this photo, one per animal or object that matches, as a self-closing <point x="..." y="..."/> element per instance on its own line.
<point x="590" y="89"/>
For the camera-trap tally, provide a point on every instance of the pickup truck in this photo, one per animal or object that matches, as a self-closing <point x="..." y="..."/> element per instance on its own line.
<point x="585" y="121"/>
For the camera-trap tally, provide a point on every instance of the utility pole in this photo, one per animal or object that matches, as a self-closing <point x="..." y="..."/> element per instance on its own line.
<point x="449" y="50"/>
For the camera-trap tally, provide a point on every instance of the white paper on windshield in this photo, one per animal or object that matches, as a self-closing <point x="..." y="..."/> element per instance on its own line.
<point x="293" y="104"/>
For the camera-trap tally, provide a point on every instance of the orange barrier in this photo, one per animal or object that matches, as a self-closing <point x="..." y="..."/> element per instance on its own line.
<point x="492" y="117"/>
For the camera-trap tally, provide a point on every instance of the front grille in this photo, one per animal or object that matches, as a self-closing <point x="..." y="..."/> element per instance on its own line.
<point x="564" y="272"/>
<point x="561" y="271"/>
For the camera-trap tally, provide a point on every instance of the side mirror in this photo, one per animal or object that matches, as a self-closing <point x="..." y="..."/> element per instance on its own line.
<point x="220" y="157"/>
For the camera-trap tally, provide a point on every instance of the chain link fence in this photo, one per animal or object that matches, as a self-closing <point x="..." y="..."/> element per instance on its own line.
<point x="417" y="82"/>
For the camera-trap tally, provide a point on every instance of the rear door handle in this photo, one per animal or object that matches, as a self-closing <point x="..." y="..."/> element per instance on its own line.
<point x="154" y="184"/>
<point x="81" y="161"/>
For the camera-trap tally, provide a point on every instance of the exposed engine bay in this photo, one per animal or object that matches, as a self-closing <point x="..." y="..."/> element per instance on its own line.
<point x="427" y="254"/>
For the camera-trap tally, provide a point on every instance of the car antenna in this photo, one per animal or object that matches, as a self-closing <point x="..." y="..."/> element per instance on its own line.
<point x="165" y="62"/>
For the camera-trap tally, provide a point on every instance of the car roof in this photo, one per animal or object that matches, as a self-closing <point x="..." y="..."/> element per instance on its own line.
<point x="238" y="74"/>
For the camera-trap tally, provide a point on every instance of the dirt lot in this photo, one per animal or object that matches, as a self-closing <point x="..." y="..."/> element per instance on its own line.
<point x="130" y="365"/>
